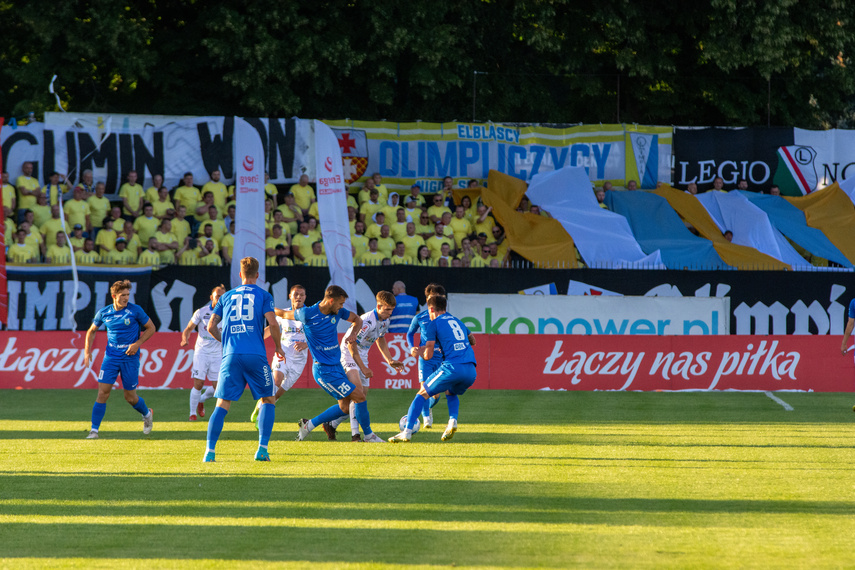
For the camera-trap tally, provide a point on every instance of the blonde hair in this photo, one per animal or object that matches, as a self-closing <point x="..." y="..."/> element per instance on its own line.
<point x="249" y="266"/>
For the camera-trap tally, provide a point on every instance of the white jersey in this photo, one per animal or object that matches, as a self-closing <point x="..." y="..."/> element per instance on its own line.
<point x="205" y="343"/>
<point x="372" y="329"/>
<point x="292" y="333"/>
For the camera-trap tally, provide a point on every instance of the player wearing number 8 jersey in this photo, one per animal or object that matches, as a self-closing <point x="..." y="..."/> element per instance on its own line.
<point x="456" y="373"/>
<point x="244" y="311"/>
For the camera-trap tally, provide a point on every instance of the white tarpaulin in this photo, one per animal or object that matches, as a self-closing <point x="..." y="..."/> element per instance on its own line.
<point x="603" y="238"/>
<point x="249" y="190"/>
<point x="750" y="225"/>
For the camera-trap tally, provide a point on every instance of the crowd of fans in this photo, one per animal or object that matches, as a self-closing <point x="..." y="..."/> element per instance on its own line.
<point x="192" y="225"/>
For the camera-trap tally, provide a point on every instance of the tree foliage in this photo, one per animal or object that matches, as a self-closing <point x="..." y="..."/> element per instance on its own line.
<point x="725" y="62"/>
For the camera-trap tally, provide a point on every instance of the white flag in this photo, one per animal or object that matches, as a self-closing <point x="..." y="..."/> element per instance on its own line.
<point x="332" y="211"/>
<point x="249" y="199"/>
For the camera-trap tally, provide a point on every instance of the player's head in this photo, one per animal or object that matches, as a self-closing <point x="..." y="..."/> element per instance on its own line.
<point x="437" y="304"/>
<point x="297" y="294"/>
<point x="335" y="296"/>
<point x="249" y="268"/>
<point x="120" y="291"/>
<point x="217" y="292"/>
<point x="434" y="289"/>
<point x="385" y="304"/>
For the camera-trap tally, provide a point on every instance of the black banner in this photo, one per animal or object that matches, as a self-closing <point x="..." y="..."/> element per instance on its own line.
<point x="750" y="153"/>
<point x="761" y="302"/>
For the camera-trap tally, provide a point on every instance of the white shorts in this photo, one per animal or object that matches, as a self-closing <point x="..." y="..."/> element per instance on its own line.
<point x="291" y="369"/>
<point x="206" y="366"/>
<point x="349" y="364"/>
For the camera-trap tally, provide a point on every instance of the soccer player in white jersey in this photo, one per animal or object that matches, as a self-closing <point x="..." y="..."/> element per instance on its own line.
<point x="207" y="355"/>
<point x="286" y="371"/>
<point x="354" y="356"/>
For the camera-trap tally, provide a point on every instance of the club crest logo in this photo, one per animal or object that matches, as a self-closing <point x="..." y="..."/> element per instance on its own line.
<point x="248" y="163"/>
<point x="354" y="153"/>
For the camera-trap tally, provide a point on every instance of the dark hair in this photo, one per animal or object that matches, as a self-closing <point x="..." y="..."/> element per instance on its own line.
<point x="438" y="302"/>
<point x="335" y="292"/>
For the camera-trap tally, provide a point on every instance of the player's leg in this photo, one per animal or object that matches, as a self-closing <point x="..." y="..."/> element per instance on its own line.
<point x="212" y="372"/>
<point x="129" y="372"/>
<point x="195" y="396"/>
<point x="106" y="377"/>
<point x="260" y="380"/>
<point x="434" y="384"/>
<point x="353" y="374"/>
<point x="332" y="380"/>
<point x="229" y="388"/>
<point x="215" y="428"/>
<point x="464" y="377"/>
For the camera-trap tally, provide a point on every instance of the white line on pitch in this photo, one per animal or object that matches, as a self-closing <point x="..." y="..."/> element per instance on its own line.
<point x="778" y="400"/>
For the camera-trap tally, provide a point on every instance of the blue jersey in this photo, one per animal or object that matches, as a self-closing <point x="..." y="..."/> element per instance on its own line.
<point x="450" y="334"/>
<point x="123" y="327"/>
<point x="406" y="307"/>
<point x="242" y="312"/>
<point x="420" y="323"/>
<point x="321" y="332"/>
<point x="852" y="309"/>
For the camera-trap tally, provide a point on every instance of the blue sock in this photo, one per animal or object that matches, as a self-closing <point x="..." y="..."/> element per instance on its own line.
<point x="141" y="407"/>
<point x="328" y="415"/>
<point x="265" y="423"/>
<point x="415" y="409"/>
<point x="453" y="406"/>
<point x="426" y="409"/>
<point x="363" y="417"/>
<point x="215" y="426"/>
<point x="98" y="411"/>
<point x="434" y="401"/>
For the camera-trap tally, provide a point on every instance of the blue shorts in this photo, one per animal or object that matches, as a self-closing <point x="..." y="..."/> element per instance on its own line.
<point x="428" y="367"/>
<point x="238" y="370"/>
<point x="126" y="366"/>
<point x="456" y="378"/>
<point x="332" y="379"/>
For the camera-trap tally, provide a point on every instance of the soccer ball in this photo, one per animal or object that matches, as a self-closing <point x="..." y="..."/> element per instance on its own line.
<point x="403" y="424"/>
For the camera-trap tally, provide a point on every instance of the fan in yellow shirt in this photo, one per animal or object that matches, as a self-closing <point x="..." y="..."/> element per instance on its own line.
<point x="150" y="257"/>
<point x="59" y="253"/>
<point x="218" y="189"/>
<point x="167" y="243"/>
<point x="87" y="255"/>
<point x="98" y="205"/>
<point x="304" y="195"/>
<point x="316" y="259"/>
<point x="372" y="256"/>
<point x="162" y="207"/>
<point x="22" y="252"/>
<point x="400" y="257"/>
<point x="152" y="194"/>
<point x="77" y="211"/>
<point x="208" y="255"/>
<point x="186" y="194"/>
<point x="146" y="225"/>
<point x="121" y="255"/>
<point x="133" y="195"/>
<point x="28" y="187"/>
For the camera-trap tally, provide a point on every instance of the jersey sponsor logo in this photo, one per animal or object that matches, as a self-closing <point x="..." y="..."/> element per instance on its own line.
<point x="237" y="329"/>
<point x="459" y="346"/>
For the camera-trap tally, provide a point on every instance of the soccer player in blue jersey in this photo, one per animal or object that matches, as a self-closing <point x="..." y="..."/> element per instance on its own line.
<point x="320" y="326"/>
<point x="244" y="311"/>
<point x="456" y="373"/>
<point x="426" y="367"/>
<point x="406" y="307"/>
<point x="128" y="327"/>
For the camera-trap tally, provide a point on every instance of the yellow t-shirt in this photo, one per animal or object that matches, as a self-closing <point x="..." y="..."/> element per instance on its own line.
<point x="406" y="260"/>
<point x="76" y="212"/>
<point x="228" y="242"/>
<point x="304" y="243"/>
<point x="115" y="257"/>
<point x="106" y="240"/>
<point x="220" y="192"/>
<point x="316" y="260"/>
<point x="134" y="194"/>
<point x="397" y="230"/>
<point x="372" y="231"/>
<point x="485" y="227"/>
<point x="435" y="245"/>
<point x="369" y="259"/>
<point x="386" y="246"/>
<point x="272" y="242"/>
<point x="49" y="229"/>
<point x="313" y="211"/>
<point x="98" y="208"/>
<point x="479" y="262"/>
<point x="9" y="194"/>
<point x="56" y="255"/>
<point x="146" y="228"/>
<point x="160" y="208"/>
<point x="149" y="258"/>
<point x="438" y="211"/>
<point x="84" y="258"/>
<point x="189" y="257"/>
<point x="290" y="219"/>
<point x="133" y="243"/>
<point x="76" y="243"/>
<point x="167" y="255"/>
<point x="41" y="214"/>
<point x="152" y="195"/>
<point x="53" y="192"/>
<point x="412" y="244"/>
<point x="360" y="243"/>
<point x="218" y="227"/>
<point x="368" y="209"/>
<point x="28" y="183"/>
<point x="270" y="189"/>
<point x="213" y="259"/>
<point x="181" y="229"/>
<point x="187" y="196"/>
<point x="461" y="228"/>
<point x="35" y="239"/>
<point x="20" y="254"/>
<point x="303" y="195"/>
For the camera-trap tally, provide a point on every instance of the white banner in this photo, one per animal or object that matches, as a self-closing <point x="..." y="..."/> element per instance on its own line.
<point x="249" y="207"/>
<point x="332" y="211"/>
<point x="586" y="315"/>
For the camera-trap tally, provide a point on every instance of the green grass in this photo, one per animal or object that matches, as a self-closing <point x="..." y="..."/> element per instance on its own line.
<point x="531" y="479"/>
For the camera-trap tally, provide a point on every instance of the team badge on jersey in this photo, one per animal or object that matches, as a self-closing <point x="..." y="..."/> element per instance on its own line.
<point x="127" y="321"/>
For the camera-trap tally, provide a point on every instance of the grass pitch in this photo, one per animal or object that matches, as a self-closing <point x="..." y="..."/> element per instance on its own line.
<point x="531" y="479"/>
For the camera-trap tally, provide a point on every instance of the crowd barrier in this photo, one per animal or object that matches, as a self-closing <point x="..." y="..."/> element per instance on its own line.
<point x="505" y="362"/>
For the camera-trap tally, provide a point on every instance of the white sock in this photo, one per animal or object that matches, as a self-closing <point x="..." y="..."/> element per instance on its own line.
<point x="337" y="422"/>
<point x="209" y="393"/>
<point x="195" y="395"/>
<point x="408" y="433"/>
<point x="310" y="426"/>
<point x="354" y="425"/>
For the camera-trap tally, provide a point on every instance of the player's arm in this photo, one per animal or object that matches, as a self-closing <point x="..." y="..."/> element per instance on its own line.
<point x="850" y="324"/>
<point x="147" y="333"/>
<point x="471" y="339"/>
<point x="354" y="329"/>
<point x="383" y="347"/>
<point x="185" y="334"/>
<point x="427" y="350"/>
<point x="266" y="332"/>
<point x="87" y="350"/>
<point x="353" y="348"/>
<point x="411" y="336"/>
<point x="275" y="332"/>
<point x="283" y="314"/>
<point x="212" y="327"/>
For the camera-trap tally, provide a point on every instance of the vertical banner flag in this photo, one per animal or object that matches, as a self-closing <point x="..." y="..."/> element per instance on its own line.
<point x="249" y="199"/>
<point x="645" y="158"/>
<point x="4" y="298"/>
<point x="332" y="210"/>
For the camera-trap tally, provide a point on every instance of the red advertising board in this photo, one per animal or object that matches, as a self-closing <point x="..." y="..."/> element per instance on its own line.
<point x="506" y="362"/>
